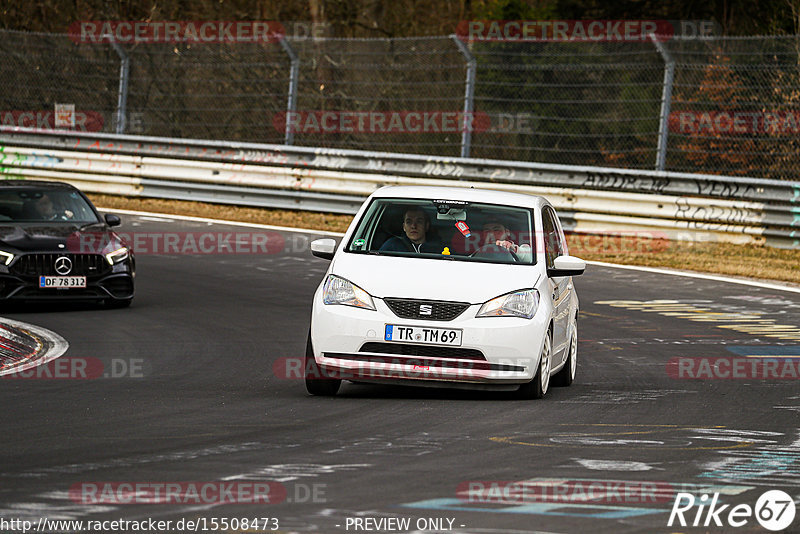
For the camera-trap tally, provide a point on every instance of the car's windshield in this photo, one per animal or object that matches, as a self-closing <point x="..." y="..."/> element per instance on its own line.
<point x="446" y="229"/>
<point x="38" y="205"/>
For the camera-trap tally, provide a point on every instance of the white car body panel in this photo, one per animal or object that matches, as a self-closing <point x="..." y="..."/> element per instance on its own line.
<point x="403" y="277"/>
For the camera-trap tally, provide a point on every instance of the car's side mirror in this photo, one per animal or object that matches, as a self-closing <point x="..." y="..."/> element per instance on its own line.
<point x="112" y="220"/>
<point x="566" y="266"/>
<point x="323" y="248"/>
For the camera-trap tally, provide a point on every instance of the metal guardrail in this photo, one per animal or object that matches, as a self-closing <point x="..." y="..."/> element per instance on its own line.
<point x="590" y="199"/>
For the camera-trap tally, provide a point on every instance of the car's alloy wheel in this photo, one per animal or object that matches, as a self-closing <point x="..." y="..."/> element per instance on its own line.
<point x="566" y="375"/>
<point x="317" y="381"/>
<point x="544" y="366"/>
<point x="536" y="388"/>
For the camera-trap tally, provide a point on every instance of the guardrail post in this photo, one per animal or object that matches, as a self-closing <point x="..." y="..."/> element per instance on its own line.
<point x="294" y="74"/>
<point x="469" y="96"/>
<point x="122" y="96"/>
<point x="666" y="99"/>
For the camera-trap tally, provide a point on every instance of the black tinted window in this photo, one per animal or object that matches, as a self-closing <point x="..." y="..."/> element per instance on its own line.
<point x="462" y="231"/>
<point x="44" y="205"/>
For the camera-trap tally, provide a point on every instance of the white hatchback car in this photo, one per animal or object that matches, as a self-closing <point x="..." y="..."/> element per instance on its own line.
<point x="445" y="286"/>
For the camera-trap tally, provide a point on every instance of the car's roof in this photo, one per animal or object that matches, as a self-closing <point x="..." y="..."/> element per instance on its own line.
<point x="466" y="194"/>
<point x="35" y="184"/>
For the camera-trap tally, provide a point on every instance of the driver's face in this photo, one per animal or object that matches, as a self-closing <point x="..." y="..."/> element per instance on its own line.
<point x="495" y="231"/>
<point x="415" y="226"/>
<point x="44" y="206"/>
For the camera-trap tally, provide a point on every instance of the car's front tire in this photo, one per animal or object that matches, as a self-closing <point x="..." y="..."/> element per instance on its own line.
<point x="317" y="381"/>
<point x="537" y="388"/>
<point x="566" y="375"/>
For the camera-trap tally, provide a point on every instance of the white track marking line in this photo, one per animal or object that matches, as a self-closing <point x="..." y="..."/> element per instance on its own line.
<point x="222" y="221"/>
<point x="714" y="277"/>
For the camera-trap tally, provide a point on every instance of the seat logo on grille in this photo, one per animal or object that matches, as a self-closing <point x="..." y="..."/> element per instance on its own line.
<point x="425" y="309"/>
<point x="63" y="265"/>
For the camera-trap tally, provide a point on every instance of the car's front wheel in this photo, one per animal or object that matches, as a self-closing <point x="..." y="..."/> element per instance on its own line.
<point x="566" y="375"/>
<point x="536" y="388"/>
<point x="317" y="380"/>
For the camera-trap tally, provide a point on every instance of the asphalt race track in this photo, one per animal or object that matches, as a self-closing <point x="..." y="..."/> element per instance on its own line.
<point x="184" y="390"/>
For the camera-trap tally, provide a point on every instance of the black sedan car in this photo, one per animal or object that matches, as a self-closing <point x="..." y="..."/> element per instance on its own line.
<point x="54" y="245"/>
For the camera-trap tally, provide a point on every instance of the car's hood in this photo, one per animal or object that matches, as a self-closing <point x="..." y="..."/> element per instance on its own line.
<point x="52" y="237"/>
<point x="420" y="278"/>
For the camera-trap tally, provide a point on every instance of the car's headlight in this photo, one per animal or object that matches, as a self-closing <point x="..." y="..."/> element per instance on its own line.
<point x="116" y="256"/>
<point x="517" y="304"/>
<point x="340" y="291"/>
<point x="6" y="257"/>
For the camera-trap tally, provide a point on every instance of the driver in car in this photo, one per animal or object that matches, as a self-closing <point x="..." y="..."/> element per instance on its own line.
<point x="495" y="232"/>
<point x="416" y="224"/>
<point x="46" y="209"/>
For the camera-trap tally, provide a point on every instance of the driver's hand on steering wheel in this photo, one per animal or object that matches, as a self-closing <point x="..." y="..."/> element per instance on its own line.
<point x="508" y="245"/>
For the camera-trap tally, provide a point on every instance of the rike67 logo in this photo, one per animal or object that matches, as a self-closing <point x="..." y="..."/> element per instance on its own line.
<point x="774" y="510"/>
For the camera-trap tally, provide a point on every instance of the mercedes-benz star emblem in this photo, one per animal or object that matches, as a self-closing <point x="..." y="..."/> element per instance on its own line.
<point x="63" y="265"/>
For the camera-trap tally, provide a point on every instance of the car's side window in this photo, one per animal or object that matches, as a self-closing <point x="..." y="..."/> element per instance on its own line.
<point x="554" y="245"/>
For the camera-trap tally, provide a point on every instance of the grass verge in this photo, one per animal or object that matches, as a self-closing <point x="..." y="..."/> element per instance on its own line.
<point x="747" y="261"/>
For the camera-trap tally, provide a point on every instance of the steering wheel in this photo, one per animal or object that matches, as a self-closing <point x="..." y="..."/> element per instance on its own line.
<point x="491" y="248"/>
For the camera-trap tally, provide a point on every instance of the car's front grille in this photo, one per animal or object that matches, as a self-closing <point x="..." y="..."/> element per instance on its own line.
<point x="429" y="351"/>
<point x="432" y="310"/>
<point x="44" y="264"/>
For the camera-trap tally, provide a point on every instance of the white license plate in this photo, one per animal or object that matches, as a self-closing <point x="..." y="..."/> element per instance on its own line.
<point x="425" y="335"/>
<point x="62" y="282"/>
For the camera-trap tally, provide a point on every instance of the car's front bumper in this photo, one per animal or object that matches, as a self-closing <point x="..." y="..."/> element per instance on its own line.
<point x="349" y="343"/>
<point x="115" y="283"/>
<point x="116" y="287"/>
